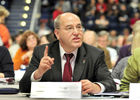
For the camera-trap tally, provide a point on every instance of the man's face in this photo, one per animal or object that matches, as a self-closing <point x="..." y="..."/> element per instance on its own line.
<point x="89" y="38"/>
<point x="102" y="41"/>
<point x="70" y="33"/>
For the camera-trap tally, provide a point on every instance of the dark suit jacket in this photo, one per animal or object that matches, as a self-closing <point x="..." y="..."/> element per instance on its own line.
<point x="6" y="64"/>
<point x="89" y="65"/>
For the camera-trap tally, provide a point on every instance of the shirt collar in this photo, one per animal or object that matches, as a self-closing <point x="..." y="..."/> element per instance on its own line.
<point x="62" y="52"/>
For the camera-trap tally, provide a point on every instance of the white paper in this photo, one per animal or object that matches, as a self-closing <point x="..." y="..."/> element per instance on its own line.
<point x="56" y="90"/>
<point x="134" y="91"/>
<point x="19" y="74"/>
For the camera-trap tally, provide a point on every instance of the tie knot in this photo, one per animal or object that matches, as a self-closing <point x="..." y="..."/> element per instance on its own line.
<point x="68" y="56"/>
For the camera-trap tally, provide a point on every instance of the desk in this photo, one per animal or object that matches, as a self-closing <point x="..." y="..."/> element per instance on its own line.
<point x="23" y="97"/>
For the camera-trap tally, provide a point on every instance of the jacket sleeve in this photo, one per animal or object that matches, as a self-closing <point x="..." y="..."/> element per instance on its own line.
<point x="25" y="82"/>
<point x="130" y="74"/>
<point x="103" y="75"/>
<point x="6" y="63"/>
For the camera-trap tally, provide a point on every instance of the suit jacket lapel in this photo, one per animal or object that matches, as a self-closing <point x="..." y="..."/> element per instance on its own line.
<point x="79" y="64"/>
<point x="56" y="67"/>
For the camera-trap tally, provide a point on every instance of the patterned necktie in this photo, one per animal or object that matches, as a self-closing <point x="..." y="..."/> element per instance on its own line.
<point x="67" y="74"/>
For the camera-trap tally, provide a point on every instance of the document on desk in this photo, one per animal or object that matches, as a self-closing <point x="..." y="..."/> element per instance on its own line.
<point x="56" y="90"/>
<point x="134" y="91"/>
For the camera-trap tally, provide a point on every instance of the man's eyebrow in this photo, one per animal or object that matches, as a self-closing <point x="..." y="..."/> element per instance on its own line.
<point x="72" y="25"/>
<point x="68" y="26"/>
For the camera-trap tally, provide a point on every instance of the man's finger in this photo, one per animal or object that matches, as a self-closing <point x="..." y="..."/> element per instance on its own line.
<point x="46" y="51"/>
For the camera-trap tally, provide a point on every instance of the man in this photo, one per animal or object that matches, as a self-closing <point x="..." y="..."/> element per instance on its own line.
<point x="6" y="64"/>
<point x="102" y="44"/>
<point x="88" y="66"/>
<point x="90" y="37"/>
<point x="103" y="39"/>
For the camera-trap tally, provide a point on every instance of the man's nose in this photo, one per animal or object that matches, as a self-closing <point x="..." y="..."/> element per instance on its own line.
<point x="75" y="31"/>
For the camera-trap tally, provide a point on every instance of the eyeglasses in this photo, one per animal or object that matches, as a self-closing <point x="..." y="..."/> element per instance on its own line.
<point x="71" y="29"/>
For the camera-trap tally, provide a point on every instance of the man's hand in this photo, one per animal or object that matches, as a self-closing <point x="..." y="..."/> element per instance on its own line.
<point x="89" y="87"/>
<point x="45" y="64"/>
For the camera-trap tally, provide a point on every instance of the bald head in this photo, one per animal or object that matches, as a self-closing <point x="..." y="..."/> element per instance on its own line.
<point x="90" y="37"/>
<point x="69" y="31"/>
<point x="64" y="17"/>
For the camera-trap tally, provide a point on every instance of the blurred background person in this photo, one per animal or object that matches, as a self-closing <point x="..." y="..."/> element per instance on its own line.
<point x="125" y="50"/>
<point x="101" y="6"/>
<point x="4" y="32"/>
<point x="27" y="44"/>
<point x="118" y="70"/>
<point x="48" y="38"/>
<point x="6" y="64"/>
<point x="103" y="40"/>
<point x="101" y="23"/>
<point x="120" y="40"/>
<point x="1" y="43"/>
<point x="135" y="18"/>
<point x="15" y="43"/>
<point x="44" y="29"/>
<point x="58" y="10"/>
<point x="132" y="70"/>
<point x="90" y="37"/>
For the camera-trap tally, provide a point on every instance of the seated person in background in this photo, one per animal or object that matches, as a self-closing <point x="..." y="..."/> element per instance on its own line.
<point x="15" y="45"/>
<point x="117" y="72"/>
<point x="103" y="44"/>
<point x="132" y="70"/>
<point x="90" y="37"/>
<point x="6" y="64"/>
<point x="124" y="51"/>
<point x="44" y="39"/>
<point x="22" y="57"/>
<point x="86" y="63"/>
<point x="4" y="32"/>
<point x="101" y="23"/>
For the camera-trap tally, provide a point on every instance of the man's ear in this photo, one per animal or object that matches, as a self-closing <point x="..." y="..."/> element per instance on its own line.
<point x="56" y="34"/>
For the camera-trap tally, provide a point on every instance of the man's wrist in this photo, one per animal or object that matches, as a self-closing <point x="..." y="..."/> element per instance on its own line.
<point x="102" y="87"/>
<point x="33" y="79"/>
<point x="37" y="75"/>
<point x="96" y="88"/>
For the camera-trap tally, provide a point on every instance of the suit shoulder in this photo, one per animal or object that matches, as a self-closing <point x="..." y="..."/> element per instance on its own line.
<point x="92" y="52"/>
<point x="3" y="49"/>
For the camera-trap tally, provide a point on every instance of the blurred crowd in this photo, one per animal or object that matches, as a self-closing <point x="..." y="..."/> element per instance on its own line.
<point x="95" y="14"/>
<point x="107" y="24"/>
